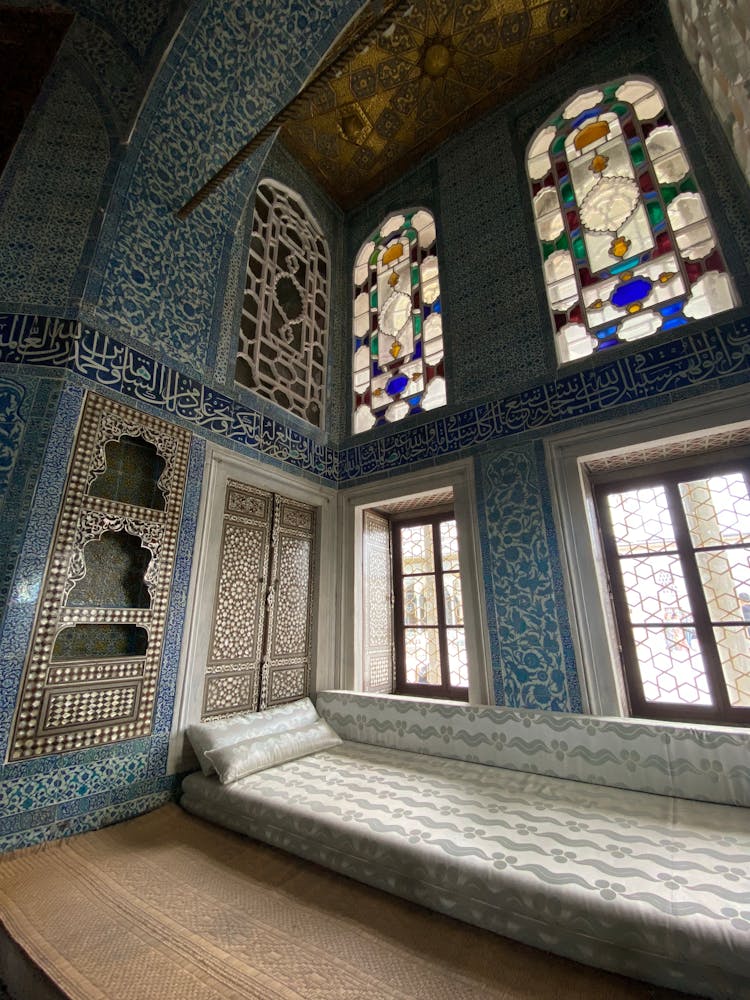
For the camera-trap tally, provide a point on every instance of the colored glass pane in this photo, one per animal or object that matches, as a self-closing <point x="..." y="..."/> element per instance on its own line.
<point x="626" y="259"/>
<point x="401" y="288"/>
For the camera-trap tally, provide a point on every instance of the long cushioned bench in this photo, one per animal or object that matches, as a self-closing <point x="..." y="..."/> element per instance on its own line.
<point x="618" y="843"/>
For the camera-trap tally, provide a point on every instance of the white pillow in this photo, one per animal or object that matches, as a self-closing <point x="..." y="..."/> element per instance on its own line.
<point x="205" y="736"/>
<point x="258" y="753"/>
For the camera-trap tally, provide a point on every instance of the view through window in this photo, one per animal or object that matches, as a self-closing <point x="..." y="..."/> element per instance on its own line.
<point x="431" y="658"/>
<point x="677" y="548"/>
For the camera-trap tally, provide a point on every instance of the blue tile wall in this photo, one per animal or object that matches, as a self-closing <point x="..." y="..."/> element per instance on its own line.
<point x="144" y="309"/>
<point x="62" y="167"/>
<point x="531" y="652"/>
<point x="29" y="406"/>
<point x="99" y="361"/>
<point x="63" y="794"/>
<point x="159" y="281"/>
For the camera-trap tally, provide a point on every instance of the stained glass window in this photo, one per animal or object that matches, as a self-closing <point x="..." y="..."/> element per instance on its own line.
<point x="628" y="248"/>
<point x="282" y="347"/>
<point x="398" y="333"/>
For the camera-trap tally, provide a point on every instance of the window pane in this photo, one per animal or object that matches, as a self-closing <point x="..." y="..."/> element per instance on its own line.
<point x="416" y="549"/>
<point x="449" y="545"/>
<point x="457" y="661"/>
<point x="397" y="322"/>
<point x="725" y="576"/>
<point x="734" y="652"/>
<point x="422" y="656"/>
<point x="655" y="589"/>
<point x="671" y="666"/>
<point x="623" y="219"/>
<point x="717" y="510"/>
<point x="420" y="600"/>
<point x="454" y="608"/>
<point x="641" y="521"/>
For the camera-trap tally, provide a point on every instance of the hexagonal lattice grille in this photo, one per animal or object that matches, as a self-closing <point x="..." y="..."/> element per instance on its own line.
<point x="430" y="613"/>
<point x="679" y="557"/>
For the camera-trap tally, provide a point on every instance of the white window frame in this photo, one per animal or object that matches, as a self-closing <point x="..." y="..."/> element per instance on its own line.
<point x="221" y="465"/>
<point x="591" y="617"/>
<point x="352" y="503"/>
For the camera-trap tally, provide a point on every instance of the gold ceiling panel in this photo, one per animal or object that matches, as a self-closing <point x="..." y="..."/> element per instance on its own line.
<point x="434" y="68"/>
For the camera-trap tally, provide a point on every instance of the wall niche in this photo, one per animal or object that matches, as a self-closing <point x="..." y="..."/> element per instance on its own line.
<point x="92" y="669"/>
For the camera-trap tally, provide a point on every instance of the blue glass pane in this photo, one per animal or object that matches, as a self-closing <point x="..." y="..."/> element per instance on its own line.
<point x="606" y="332"/>
<point x="591" y="113"/>
<point x="397" y="385"/>
<point x="436" y="306"/>
<point x="671" y="310"/>
<point x="672" y="323"/>
<point x="630" y="291"/>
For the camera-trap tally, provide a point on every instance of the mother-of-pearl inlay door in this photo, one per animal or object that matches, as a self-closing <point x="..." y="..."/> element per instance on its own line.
<point x="259" y="645"/>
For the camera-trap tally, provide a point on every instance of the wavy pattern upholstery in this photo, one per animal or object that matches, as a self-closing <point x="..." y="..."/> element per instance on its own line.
<point x="709" y="763"/>
<point x="484" y="824"/>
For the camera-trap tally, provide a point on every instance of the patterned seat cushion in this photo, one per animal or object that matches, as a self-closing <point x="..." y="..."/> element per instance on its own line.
<point x="647" y="885"/>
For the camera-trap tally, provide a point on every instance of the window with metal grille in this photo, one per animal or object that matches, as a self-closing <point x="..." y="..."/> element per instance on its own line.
<point x="431" y="658"/>
<point x="677" y="549"/>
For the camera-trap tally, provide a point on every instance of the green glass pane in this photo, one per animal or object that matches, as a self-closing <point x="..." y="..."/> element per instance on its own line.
<point x="417" y="320"/>
<point x="579" y="248"/>
<point x="410" y="233"/>
<point x="566" y="191"/>
<point x="563" y="243"/>
<point x="414" y="275"/>
<point x="374" y="346"/>
<point x="547" y="249"/>
<point x="655" y="212"/>
<point x="668" y="192"/>
<point x="621" y="109"/>
<point x="688" y="185"/>
<point x="610" y="91"/>
<point x="374" y="299"/>
<point x="557" y="122"/>
<point x="558" y="145"/>
<point x="374" y="257"/>
<point x="637" y="154"/>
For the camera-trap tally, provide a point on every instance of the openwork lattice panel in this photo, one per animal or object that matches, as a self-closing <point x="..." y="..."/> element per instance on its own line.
<point x="92" y="669"/>
<point x="282" y="348"/>
<point x="236" y="645"/>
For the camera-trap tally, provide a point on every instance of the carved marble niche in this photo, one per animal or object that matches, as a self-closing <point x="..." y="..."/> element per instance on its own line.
<point x="92" y="669"/>
<point x="259" y="648"/>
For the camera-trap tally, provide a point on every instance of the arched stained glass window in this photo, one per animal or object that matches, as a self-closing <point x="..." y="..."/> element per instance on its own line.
<point x="628" y="248"/>
<point x="282" y="347"/>
<point x="398" y="333"/>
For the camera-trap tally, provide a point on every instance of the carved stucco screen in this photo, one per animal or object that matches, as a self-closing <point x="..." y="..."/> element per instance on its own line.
<point x="282" y="349"/>
<point x="628" y="247"/>
<point x="91" y="673"/>
<point x="259" y="649"/>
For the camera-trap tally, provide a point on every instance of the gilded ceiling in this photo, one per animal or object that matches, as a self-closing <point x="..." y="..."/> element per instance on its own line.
<point x="430" y="67"/>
